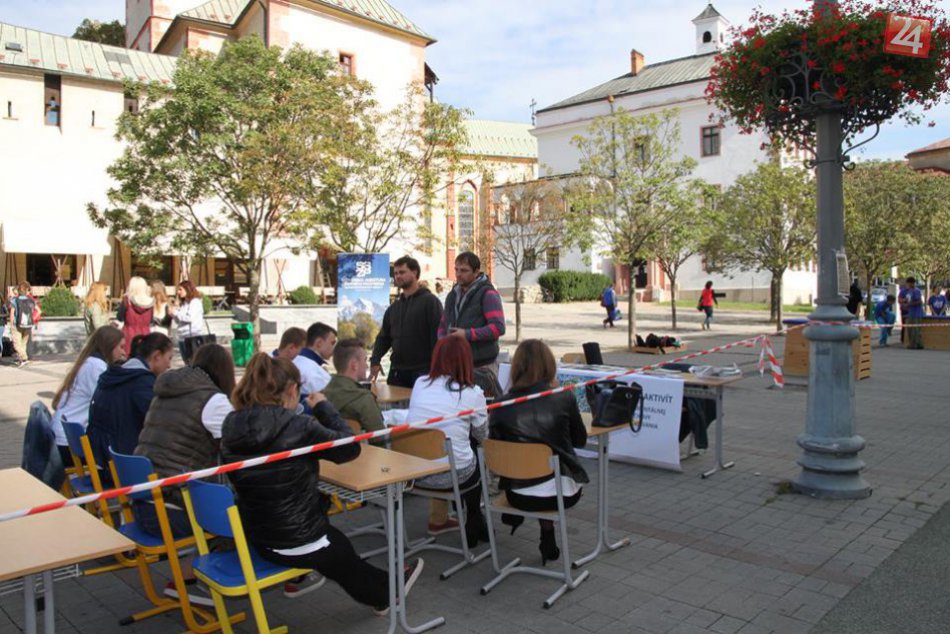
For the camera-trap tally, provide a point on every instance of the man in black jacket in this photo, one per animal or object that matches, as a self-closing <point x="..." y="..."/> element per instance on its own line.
<point x="409" y="328"/>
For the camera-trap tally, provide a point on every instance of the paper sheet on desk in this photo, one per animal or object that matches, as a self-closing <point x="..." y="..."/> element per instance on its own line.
<point x="395" y="416"/>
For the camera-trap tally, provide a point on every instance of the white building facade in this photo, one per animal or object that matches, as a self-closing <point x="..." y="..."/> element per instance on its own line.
<point x="722" y="155"/>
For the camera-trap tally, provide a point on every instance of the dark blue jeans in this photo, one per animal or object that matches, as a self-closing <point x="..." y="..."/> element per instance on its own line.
<point x="404" y="378"/>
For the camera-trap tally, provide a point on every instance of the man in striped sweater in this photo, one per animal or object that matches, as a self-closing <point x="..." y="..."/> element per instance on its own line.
<point x="473" y="310"/>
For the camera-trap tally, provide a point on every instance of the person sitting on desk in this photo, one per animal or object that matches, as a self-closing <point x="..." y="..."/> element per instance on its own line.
<point x="283" y="511"/>
<point x="345" y="392"/>
<point x="321" y="340"/>
<point x="554" y="421"/>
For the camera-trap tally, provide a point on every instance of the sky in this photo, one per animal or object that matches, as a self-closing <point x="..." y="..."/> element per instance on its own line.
<point x="495" y="56"/>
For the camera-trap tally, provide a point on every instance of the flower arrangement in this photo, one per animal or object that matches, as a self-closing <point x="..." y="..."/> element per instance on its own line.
<point x="782" y="71"/>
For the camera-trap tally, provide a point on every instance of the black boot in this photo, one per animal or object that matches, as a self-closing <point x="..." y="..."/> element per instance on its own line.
<point x="476" y="530"/>
<point x="514" y="521"/>
<point x="548" y="547"/>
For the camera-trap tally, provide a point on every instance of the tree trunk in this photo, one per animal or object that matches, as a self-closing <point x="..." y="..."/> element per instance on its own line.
<point x="777" y="300"/>
<point x="773" y="311"/>
<point x="254" y="301"/>
<point x="632" y="311"/>
<point x="517" y="307"/>
<point x="672" y="297"/>
<point x="869" y="308"/>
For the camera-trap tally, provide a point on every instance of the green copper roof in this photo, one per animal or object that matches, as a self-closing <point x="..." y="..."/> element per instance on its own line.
<point x="378" y="11"/>
<point x="500" y="138"/>
<point x="652" y="77"/>
<point x="225" y="12"/>
<point x="56" y="54"/>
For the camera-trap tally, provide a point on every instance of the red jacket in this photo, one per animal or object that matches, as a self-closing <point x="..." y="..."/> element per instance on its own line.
<point x="138" y="321"/>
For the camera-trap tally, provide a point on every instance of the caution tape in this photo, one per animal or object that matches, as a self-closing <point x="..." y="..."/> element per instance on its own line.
<point x="866" y="325"/>
<point x="760" y="340"/>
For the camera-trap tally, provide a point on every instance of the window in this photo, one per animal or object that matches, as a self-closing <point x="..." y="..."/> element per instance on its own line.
<point x="52" y="99"/>
<point x="711" y="140"/>
<point x="157" y="267"/>
<point x="466" y="217"/>
<point x="46" y="269"/>
<point x="707" y="37"/>
<point x="346" y="63"/>
<point x="530" y="260"/>
<point x="9" y="110"/>
<point x="554" y="259"/>
<point x="131" y="103"/>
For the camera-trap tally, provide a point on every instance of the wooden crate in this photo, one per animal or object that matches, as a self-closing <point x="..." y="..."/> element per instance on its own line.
<point x="797" y="347"/>
<point x="936" y="338"/>
<point x="670" y="350"/>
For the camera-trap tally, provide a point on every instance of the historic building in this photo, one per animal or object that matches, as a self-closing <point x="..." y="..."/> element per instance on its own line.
<point x="934" y="157"/>
<point x="60" y="99"/>
<point x="722" y="154"/>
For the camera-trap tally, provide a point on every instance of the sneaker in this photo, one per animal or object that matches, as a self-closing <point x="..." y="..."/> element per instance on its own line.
<point x="22" y="364"/>
<point x="302" y="585"/>
<point x="450" y="525"/>
<point x="197" y="594"/>
<point x="412" y="572"/>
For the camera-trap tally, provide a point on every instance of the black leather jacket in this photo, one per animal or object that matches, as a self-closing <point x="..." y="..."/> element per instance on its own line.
<point x="279" y="503"/>
<point x="553" y="420"/>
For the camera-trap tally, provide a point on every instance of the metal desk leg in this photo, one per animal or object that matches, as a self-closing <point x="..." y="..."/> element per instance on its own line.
<point x="29" y="604"/>
<point x="400" y="566"/>
<point x="395" y="574"/>
<point x="603" y="541"/>
<point x="49" y="609"/>
<point x="720" y="465"/>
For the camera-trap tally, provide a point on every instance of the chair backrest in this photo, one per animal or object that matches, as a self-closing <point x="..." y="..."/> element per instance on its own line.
<point x="210" y="503"/>
<point x="573" y="357"/>
<point x="74" y="433"/>
<point x="428" y="444"/>
<point x="354" y="425"/>
<point x="132" y="470"/>
<point x="518" y="460"/>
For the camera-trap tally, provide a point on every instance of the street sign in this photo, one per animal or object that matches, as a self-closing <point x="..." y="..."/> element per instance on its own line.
<point x="908" y="36"/>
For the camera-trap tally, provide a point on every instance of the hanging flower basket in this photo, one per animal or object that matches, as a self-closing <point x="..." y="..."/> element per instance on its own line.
<point x="783" y="71"/>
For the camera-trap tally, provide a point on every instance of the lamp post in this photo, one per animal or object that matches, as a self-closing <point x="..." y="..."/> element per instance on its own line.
<point x="830" y="464"/>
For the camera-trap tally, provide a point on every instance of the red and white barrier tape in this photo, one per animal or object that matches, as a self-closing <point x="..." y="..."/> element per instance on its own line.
<point x="867" y="325"/>
<point x="303" y="451"/>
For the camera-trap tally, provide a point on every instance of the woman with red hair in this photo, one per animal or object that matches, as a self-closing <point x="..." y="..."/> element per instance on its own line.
<point x="448" y="388"/>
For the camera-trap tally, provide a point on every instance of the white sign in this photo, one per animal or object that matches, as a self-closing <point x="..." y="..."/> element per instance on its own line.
<point x="657" y="443"/>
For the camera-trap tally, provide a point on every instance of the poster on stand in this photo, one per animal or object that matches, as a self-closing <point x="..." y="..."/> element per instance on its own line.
<point x="657" y="443"/>
<point x="362" y="295"/>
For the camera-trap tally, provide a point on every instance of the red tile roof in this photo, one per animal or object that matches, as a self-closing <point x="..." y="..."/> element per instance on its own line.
<point x="933" y="147"/>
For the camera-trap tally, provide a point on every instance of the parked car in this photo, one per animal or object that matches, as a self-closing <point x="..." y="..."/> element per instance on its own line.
<point x="878" y="294"/>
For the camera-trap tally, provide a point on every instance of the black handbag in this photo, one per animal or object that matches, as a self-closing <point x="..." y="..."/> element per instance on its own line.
<point x="191" y="344"/>
<point x="614" y="403"/>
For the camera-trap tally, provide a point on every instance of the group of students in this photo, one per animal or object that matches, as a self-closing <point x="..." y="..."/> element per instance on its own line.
<point x="910" y="301"/>
<point x="198" y="416"/>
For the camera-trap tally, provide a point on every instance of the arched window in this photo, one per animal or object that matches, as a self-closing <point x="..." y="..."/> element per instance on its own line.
<point x="707" y="37"/>
<point x="466" y="220"/>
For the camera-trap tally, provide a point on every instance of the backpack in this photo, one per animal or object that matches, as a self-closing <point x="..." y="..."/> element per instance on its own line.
<point x="25" y="312"/>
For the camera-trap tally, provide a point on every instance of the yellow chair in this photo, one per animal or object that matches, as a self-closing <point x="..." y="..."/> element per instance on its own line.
<point x="525" y="461"/>
<point x="573" y="357"/>
<point x="234" y="573"/>
<point x="131" y="470"/>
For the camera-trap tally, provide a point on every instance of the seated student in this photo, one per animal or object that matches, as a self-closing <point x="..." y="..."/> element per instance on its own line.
<point x="181" y="433"/>
<point x="344" y="391"/>
<point x="321" y="339"/>
<point x="283" y="511"/>
<point x="448" y="388"/>
<point x="123" y="396"/>
<point x="937" y="302"/>
<point x="105" y="347"/>
<point x="554" y="421"/>
<point x="291" y="343"/>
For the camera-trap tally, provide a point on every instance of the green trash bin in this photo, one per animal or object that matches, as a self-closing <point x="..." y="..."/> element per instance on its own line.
<point x="242" y="345"/>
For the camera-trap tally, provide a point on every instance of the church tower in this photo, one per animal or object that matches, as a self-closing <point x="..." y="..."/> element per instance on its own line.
<point x="147" y="20"/>
<point x="711" y="30"/>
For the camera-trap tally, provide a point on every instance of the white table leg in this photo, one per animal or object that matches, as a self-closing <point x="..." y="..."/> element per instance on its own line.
<point x="29" y="604"/>
<point x="49" y="608"/>
<point x="395" y="573"/>
<point x="603" y="540"/>
<point x="720" y="465"/>
<point x="400" y="566"/>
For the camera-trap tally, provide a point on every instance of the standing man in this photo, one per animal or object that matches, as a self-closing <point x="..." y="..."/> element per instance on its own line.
<point x="473" y="311"/>
<point x="321" y="339"/>
<point x="937" y="303"/>
<point x="23" y="312"/>
<point x="409" y="328"/>
<point x="345" y="393"/>
<point x="912" y="311"/>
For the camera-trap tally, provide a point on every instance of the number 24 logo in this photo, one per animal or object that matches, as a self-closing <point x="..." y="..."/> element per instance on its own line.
<point x="907" y="36"/>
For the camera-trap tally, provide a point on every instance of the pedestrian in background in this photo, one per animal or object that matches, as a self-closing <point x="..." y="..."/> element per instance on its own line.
<point x="95" y="310"/>
<point x="161" y="316"/>
<point x="937" y="303"/>
<point x="189" y="318"/>
<point x="706" y="301"/>
<point x="608" y="299"/>
<point x="136" y="311"/>
<point x="884" y="315"/>
<point x="24" y="313"/>
<point x="854" y="298"/>
<point x="912" y="311"/>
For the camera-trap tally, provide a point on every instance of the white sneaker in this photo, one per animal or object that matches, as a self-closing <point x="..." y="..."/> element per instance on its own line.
<point x="302" y="585"/>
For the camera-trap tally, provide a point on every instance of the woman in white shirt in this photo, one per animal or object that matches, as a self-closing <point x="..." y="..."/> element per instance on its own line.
<point x="71" y="402"/>
<point x="189" y="317"/>
<point x="448" y="388"/>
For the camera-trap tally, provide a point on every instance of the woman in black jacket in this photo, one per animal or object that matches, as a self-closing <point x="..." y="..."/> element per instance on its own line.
<point x="554" y="421"/>
<point x="283" y="512"/>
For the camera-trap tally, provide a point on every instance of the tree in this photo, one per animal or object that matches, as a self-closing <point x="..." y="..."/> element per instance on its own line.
<point x="684" y="235"/>
<point x="111" y="33"/>
<point x="881" y="218"/>
<point x="765" y="222"/>
<point x="631" y="182"/>
<point x="931" y="259"/>
<point x="386" y="173"/>
<point x="221" y="163"/>
<point x="533" y="219"/>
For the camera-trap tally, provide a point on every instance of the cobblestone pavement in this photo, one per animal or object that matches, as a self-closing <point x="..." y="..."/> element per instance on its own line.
<point x="732" y="553"/>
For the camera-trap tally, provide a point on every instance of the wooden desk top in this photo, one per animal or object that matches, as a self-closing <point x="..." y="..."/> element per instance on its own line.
<point x="390" y="393"/>
<point x="599" y="431"/>
<point x="367" y="471"/>
<point x="48" y="540"/>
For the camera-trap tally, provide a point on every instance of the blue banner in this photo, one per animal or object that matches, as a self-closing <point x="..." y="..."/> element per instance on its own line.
<point x="362" y="295"/>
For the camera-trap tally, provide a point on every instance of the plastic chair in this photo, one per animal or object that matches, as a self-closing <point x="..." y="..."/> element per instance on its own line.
<point x="232" y="573"/>
<point x="573" y="357"/>
<point x="525" y="461"/>
<point x="132" y="470"/>
<point x="431" y="444"/>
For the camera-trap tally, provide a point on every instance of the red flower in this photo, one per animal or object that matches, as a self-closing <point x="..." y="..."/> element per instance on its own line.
<point x="758" y="43"/>
<point x="841" y="92"/>
<point x="816" y="85"/>
<point x="812" y="63"/>
<point x="838" y="67"/>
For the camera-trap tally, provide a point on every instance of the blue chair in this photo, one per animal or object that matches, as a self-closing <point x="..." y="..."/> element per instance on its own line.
<point x="129" y="471"/>
<point x="234" y="573"/>
<point x="80" y="482"/>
